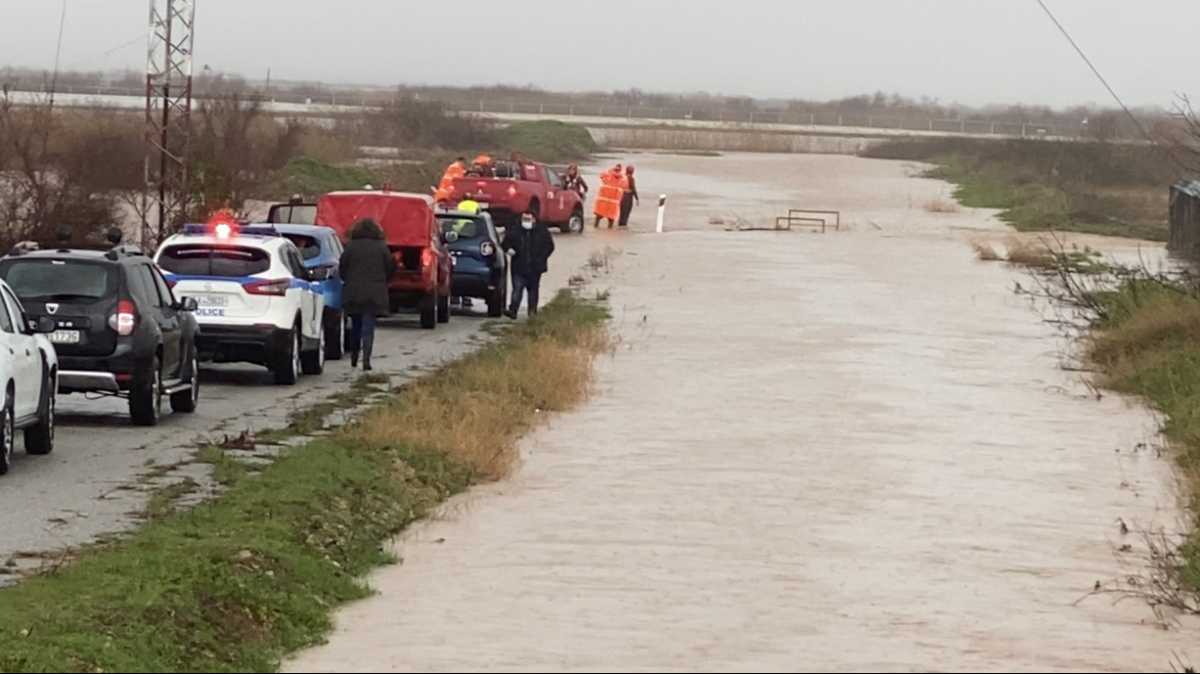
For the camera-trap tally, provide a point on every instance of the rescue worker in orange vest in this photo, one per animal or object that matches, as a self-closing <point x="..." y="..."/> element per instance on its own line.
<point x="483" y="166"/>
<point x="456" y="170"/>
<point x="608" y="197"/>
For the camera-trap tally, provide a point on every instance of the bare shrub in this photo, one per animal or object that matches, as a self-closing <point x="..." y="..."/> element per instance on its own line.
<point x="1036" y="254"/>
<point x="942" y="206"/>
<point x="62" y="170"/>
<point x="985" y="251"/>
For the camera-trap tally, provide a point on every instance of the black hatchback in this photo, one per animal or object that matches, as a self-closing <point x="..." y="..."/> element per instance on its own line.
<point x="119" y="330"/>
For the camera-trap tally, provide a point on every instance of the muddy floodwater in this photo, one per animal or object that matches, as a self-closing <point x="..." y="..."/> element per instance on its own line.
<point x="849" y="451"/>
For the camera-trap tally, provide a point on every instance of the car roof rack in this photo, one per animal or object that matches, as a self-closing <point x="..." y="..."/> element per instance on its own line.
<point x="127" y="250"/>
<point x="23" y="248"/>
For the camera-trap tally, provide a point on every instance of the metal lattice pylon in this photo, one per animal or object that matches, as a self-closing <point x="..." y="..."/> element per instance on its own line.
<point x="168" y="116"/>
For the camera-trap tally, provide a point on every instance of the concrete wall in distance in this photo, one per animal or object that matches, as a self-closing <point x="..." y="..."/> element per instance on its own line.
<point x="729" y="141"/>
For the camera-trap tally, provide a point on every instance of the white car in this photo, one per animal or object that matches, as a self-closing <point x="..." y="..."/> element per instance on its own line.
<point x="28" y="377"/>
<point x="257" y="302"/>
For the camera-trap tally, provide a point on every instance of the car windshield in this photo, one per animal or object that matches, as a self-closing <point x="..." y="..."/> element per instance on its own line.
<point x="222" y="261"/>
<point x="467" y="228"/>
<point x="309" y="247"/>
<point x="61" y="280"/>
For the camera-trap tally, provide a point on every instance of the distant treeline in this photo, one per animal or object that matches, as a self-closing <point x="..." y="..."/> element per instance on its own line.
<point x="1099" y="122"/>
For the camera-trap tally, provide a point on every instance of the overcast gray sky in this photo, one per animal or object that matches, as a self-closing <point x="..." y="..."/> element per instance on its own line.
<point x="970" y="51"/>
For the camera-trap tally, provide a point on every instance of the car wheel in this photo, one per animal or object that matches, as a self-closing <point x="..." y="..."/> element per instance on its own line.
<point x="335" y="336"/>
<point x="187" y="401"/>
<point x="145" y="400"/>
<point x="39" y="439"/>
<point x="287" y="361"/>
<point x="8" y="430"/>
<point x="575" y="224"/>
<point x="429" y="307"/>
<point x="443" y="309"/>
<point x="313" y="362"/>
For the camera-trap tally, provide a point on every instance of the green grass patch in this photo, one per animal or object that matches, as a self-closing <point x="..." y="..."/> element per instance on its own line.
<point x="548" y="141"/>
<point x="314" y="177"/>
<point x="1147" y="343"/>
<point x="237" y="583"/>
<point x="1093" y="188"/>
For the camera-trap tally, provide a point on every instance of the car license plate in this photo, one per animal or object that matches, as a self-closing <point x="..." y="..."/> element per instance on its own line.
<point x="212" y="301"/>
<point x="65" y="337"/>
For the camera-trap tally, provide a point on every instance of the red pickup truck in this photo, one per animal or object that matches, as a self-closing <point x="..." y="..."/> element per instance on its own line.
<point x="423" y="265"/>
<point x="520" y="187"/>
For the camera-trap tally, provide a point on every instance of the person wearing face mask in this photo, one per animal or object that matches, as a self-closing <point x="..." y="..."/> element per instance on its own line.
<point x="529" y="247"/>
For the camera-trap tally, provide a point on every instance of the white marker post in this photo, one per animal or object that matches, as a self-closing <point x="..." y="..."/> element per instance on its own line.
<point x="662" y="212"/>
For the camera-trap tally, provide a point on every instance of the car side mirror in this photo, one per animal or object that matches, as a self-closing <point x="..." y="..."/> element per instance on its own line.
<point x="187" y="304"/>
<point x="45" y="325"/>
<point x="450" y="237"/>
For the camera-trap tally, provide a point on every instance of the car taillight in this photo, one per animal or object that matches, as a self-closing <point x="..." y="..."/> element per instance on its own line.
<point x="427" y="257"/>
<point x="278" y="287"/>
<point x="512" y="191"/>
<point x="487" y="249"/>
<point x="125" y="319"/>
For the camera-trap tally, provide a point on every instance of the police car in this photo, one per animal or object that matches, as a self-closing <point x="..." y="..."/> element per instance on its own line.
<point x="256" y="301"/>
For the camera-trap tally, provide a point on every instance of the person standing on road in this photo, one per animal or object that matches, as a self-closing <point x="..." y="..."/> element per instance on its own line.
<point x="608" y="198"/>
<point x="366" y="266"/>
<point x="530" y="247"/>
<point x="630" y="195"/>
<point x="574" y="181"/>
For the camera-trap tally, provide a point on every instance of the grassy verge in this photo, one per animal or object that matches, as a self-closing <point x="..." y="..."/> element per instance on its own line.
<point x="548" y="141"/>
<point x="1096" y="188"/>
<point x="234" y="584"/>
<point x="1147" y="343"/>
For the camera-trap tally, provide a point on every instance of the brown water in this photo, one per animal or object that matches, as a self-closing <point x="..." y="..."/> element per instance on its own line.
<point x="853" y="451"/>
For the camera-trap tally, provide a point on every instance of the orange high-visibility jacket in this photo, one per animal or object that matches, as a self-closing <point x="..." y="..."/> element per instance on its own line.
<point x="608" y="198"/>
<point x="453" y="171"/>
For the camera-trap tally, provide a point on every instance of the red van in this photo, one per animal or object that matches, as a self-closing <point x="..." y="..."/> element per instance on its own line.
<point x="423" y="265"/>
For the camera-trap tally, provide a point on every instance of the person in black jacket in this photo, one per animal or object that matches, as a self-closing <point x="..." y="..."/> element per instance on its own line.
<point x="366" y="266"/>
<point x="530" y="246"/>
<point x="627" y="199"/>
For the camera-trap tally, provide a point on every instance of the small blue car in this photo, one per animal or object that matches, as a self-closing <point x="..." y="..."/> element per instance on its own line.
<point x="322" y="249"/>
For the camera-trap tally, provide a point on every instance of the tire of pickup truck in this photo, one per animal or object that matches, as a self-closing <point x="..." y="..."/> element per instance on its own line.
<point x="443" y="309"/>
<point x="574" y="225"/>
<point x="429" y="307"/>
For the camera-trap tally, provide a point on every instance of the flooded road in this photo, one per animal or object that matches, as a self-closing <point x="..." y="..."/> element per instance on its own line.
<point x="854" y="451"/>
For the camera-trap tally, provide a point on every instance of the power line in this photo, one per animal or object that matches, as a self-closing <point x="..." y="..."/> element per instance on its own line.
<point x="1095" y="70"/>
<point x="62" y="23"/>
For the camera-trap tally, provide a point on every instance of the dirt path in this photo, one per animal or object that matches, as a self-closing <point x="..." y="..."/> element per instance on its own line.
<point x="849" y="452"/>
